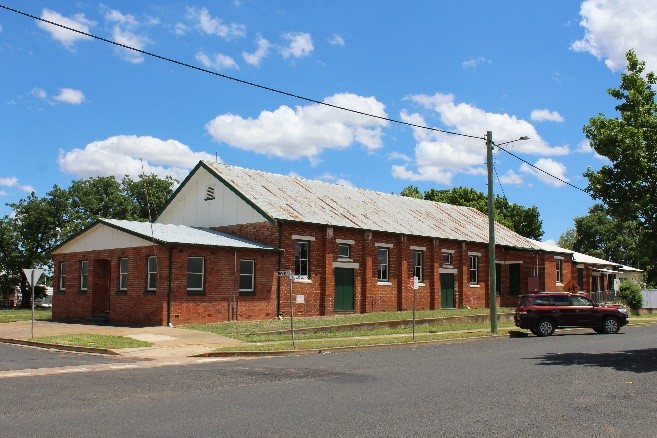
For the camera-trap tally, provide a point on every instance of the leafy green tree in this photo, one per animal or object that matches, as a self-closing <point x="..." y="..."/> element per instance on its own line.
<point x="628" y="186"/>
<point x="524" y="221"/>
<point x="411" y="192"/>
<point x="630" y="294"/>
<point x="567" y="239"/>
<point x="39" y="224"/>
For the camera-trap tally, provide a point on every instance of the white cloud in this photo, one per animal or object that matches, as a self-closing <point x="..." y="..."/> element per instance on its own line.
<point x="586" y="148"/>
<point x="335" y="179"/>
<point x="399" y="156"/>
<point x="300" y="44"/>
<point x="3" y="193"/>
<point x="545" y="115"/>
<point x="304" y="131"/>
<point x="180" y="29"/>
<point x="256" y="57"/>
<point x="336" y="40"/>
<point x="70" y="95"/>
<point x="121" y="155"/>
<point x="511" y="178"/>
<point x="215" y="26"/>
<point x="614" y="27"/>
<point x="67" y="37"/>
<point x="118" y="17"/>
<point x="12" y="182"/>
<point x="39" y="93"/>
<point x="439" y="156"/>
<point x="476" y="62"/>
<point x="550" y="166"/>
<point x="219" y="62"/>
<point x="130" y="39"/>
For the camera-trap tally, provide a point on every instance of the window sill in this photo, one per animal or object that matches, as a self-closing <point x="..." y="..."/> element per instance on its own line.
<point x="383" y="283"/>
<point x="150" y="292"/>
<point x="247" y="293"/>
<point x="474" y="285"/>
<point x="195" y="292"/>
<point x="303" y="280"/>
<point x="82" y="292"/>
<point x="121" y="292"/>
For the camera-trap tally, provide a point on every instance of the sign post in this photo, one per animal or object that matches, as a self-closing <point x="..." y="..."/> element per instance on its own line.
<point x="288" y="273"/>
<point x="32" y="276"/>
<point x="414" y="285"/>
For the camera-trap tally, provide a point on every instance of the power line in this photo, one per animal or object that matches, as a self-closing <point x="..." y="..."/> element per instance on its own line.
<point x="538" y="168"/>
<point x="232" y="78"/>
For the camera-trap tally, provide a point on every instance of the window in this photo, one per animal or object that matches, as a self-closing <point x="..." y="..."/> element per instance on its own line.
<point x="84" y="271"/>
<point x="123" y="274"/>
<point x="195" y="273"/>
<point x="447" y="259"/>
<point x="383" y="264"/>
<point x="580" y="277"/>
<point x="344" y="251"/>
<point x="301" y="259"/>
<point x="474" y="269"/>
<point x="559" y="266"/>
<point x="152" y="274"/>
<point x="417" y="265"/>
<point x="62" y="276"/>
<point x="247" y="275"/>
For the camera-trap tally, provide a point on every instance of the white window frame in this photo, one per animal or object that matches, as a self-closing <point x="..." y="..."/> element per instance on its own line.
<point x="298" y="271"/>
<point x="341" y="246"/>
<point x="250" y="275"/>
<point x="559" y="269"/>
<point x="474" y="269"/>
<point x="196" y="274"/>
<point x="379" y="274"/>
<point x="123" y="275"/>
<point x="151" y="273"/>
<point x="418" y="264"/>
<point x="447" y="259"/>
<point x="84" y="274"/>
<point x="62" y="276"/>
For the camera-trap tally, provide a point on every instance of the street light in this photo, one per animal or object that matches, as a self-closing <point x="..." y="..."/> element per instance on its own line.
<point x="491" y="229"/>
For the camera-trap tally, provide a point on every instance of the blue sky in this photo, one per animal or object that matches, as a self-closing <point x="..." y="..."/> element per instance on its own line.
<point x="74" y="107"/>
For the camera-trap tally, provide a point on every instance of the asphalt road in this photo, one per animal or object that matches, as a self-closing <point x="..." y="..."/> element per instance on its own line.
<point x="574" y="384"/>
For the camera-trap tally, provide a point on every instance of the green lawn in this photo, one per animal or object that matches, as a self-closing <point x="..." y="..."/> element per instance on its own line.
<point x="94" y="341"/>
<point x="12" y="315"/>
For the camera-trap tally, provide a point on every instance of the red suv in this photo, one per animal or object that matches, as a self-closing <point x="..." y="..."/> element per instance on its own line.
<point x="543" y="312"/>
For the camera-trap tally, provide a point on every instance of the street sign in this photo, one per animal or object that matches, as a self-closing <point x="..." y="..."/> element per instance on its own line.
<point x="284" y="273"/>
<point x="413" y="282"/>
<point x="571" y="287"/>
<point x="301" y="299"/>
<point x="33" y="275"/>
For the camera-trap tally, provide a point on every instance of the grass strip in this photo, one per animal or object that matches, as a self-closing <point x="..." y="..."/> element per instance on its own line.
<point x="14" y="315"/>
<point x="94" y="341"/>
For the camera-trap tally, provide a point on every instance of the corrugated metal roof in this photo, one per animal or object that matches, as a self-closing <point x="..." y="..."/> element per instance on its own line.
<point x="579" y="257"/>
<point x="297" y="199"/>
<point x="182" y="234"/>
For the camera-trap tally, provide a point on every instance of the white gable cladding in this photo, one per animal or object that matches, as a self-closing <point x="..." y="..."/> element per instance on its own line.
<point x="193" y="205"/>
<point x="102" y="237"/>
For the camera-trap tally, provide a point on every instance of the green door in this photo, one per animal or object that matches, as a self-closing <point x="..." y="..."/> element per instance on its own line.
<point x="447" y="291"/>
<point x="344" y="290"/>
<point x="498" y="279"/>
<point x="514" y="279"/>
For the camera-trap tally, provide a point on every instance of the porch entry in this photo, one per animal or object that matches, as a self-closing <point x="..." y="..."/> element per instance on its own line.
<point x="514" y="279"/>
<point x="447" y="300"/>
<point x="98" y="278"/>
<point x="344" y="290"/>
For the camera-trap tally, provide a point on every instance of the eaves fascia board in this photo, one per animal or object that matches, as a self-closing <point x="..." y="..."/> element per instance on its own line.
<point x="134" y="233"/>
<point x="73" y="236"/>
<point x="234" y="189"/>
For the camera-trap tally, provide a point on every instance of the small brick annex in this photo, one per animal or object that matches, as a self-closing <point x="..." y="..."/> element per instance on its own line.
<point x="221" y="300"/>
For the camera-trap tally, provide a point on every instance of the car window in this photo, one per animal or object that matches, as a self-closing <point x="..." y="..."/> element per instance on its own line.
<point x="542" y="301"/>
<point x="561" y="300"/>
<point x="580" y="301"/>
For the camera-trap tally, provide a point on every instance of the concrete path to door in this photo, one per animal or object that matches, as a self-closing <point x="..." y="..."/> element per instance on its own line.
<point x="168" y="342"/>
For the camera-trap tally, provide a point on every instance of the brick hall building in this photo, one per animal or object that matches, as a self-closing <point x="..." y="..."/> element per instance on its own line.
<point x="215" y="251"/>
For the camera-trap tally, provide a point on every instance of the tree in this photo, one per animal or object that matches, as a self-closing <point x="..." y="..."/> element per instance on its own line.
<point x="39" y="224"/>
<point x="524" y="221"/>
<point x="411" y="192"/>
<point x="628" y="186"/>
<point x="567" y="239"/>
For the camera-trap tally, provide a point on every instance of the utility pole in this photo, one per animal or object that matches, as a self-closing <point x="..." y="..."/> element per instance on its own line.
<point x="491" y="235"/>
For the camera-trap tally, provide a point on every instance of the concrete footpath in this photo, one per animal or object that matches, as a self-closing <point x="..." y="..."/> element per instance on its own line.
<point x="168" y="342"/>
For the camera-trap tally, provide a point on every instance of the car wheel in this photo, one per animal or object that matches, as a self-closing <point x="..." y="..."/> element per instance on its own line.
<point x="610" y="325"/>
<point x="534" y="331"/>
<point x="545" y="327"/>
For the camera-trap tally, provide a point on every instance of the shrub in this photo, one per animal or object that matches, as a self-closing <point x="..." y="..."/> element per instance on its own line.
<point x="630" y="294"/>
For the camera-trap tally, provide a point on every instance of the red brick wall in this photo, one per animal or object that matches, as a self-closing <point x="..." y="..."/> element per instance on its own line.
<point x="220" y="300"/>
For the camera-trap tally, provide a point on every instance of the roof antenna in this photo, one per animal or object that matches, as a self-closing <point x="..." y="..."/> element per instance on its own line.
<point x="216" y="157"/>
